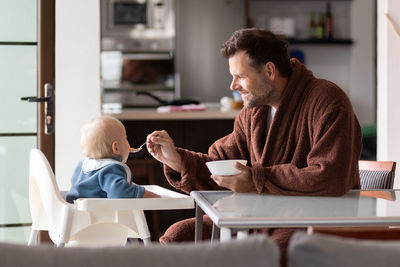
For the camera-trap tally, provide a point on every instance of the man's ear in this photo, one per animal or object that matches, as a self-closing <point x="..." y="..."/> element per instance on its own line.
<point x="270" y="70"/>
<point x="114" y="148"/>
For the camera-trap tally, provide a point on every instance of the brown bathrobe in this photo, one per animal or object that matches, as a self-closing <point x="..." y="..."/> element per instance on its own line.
<point x="312" y="147"/>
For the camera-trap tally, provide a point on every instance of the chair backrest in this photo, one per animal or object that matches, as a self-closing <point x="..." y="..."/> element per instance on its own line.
<point x="377" y="174"/>
<point x="330" y="251"/>
<point x="45" y="199"/>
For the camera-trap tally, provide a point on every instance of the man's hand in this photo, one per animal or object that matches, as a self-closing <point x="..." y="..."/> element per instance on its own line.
<point x="240" y="183"/>
<point x="162" y="148"/>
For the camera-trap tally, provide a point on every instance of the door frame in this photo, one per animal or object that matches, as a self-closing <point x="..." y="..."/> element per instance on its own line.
<point x="46" y="72"/>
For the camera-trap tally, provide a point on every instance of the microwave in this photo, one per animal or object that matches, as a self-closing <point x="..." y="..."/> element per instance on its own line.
<point x="138" y="25"/>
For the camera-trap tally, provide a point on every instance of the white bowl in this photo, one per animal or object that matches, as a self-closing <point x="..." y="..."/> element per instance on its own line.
<point x="224" y="167"/>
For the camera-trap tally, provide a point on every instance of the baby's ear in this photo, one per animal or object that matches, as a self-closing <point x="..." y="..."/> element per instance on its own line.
<point x="114" y="148"/>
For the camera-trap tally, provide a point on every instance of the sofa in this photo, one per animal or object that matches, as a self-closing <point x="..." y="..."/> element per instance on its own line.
<point x="318" y="250"/>
<point x="255" y="251"/>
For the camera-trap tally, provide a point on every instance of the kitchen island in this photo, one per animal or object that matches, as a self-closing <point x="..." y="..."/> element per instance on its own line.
<point x="193" y="130"/>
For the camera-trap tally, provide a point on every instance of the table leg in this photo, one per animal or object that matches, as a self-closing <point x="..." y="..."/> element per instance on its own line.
<point x="198" y="232"/>
<point x="226" y="234"/>
<point x="33" y="237"/>
<point x="310" y="230"/>
<point x="242" y="234"/>
<point x="215" y="233"/>
<point x="146" y="241"/>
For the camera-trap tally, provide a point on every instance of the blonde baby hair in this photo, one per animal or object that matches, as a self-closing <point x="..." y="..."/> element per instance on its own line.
<point x="98" y="135"/>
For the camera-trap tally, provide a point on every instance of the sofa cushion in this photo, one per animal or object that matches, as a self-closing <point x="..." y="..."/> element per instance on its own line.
<point x="328" y="251"/>
<point x="255" y="251"/>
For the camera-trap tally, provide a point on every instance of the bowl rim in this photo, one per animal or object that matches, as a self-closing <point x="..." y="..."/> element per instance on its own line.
<point x="226" y="160"/>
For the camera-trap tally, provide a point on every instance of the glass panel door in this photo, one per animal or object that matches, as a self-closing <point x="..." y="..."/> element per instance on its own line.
<point x="18" y="77"/>
<point x="14" y="206"/>
<point x="18" y="120"/>
<point x="18" y="20"/>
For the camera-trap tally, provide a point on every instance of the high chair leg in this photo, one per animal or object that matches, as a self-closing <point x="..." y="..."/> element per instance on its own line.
<point x="147" y="241"/>
<point x="33" y="238"/>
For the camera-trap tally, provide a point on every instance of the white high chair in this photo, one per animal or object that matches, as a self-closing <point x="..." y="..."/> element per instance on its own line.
<point x="67" y="225"/>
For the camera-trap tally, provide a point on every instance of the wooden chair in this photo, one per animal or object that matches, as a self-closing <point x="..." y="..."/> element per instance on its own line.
<point x="373" y="175"/>
<point x="377" y="174"/>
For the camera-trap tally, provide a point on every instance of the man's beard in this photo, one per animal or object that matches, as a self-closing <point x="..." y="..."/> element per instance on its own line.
<point x="258" y="100"/>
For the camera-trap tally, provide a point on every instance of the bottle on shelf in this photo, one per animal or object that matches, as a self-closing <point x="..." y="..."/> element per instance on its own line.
<point x="328" y="34"/>
<point x="320" y="26"/>
<point x="312" y="27"/>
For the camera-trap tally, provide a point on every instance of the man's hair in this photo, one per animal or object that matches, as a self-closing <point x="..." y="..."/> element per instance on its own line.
<point x="98" y="135"/>
<point x="261" y="46"/>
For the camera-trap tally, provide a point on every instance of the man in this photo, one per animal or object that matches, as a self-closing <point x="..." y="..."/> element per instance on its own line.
<point x="299" y="133"/>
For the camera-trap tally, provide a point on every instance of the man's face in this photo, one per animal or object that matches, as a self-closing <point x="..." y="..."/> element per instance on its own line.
<point x="251" y="83"/>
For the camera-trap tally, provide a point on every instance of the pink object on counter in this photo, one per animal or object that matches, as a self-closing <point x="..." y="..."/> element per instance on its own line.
<point x="192" y="107"/>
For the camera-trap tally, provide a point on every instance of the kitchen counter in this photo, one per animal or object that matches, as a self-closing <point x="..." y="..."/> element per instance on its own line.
<point x="193" y="130"/>
<point x="212" y="112"/>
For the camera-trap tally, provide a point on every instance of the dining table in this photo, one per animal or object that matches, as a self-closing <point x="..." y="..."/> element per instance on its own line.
<point x="237" y="213"/>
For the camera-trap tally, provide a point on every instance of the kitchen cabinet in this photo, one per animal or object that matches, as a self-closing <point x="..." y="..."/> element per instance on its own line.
<point x="195" y="135"/>
<point x="190" y="134"/>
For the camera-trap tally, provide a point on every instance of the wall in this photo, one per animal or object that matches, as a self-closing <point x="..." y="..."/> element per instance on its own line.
<point x="363" y="60"/>
<point x="202" y="26"/>
<point x="388" y="142"/>
<point x="77" y="94"/>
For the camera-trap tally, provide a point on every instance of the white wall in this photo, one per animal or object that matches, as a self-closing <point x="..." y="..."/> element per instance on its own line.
<point x="77" y="94"/>
<point x="388" y="84"/>
<point x="362" y="60"/>
<point x="202" y="26"/>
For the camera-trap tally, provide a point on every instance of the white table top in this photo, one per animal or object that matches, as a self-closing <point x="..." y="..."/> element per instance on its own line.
<point x="356" y="208"/>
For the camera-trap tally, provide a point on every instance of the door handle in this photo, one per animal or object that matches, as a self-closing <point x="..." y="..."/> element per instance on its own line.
<point x="35" y="99"/>
<point x="48" y="100"/>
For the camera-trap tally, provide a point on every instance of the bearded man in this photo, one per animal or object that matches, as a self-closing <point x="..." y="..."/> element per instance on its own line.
<point x="298" y="133"/>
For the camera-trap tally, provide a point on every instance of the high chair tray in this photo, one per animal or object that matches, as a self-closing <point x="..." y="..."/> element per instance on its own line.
<point x="169" y="200"/>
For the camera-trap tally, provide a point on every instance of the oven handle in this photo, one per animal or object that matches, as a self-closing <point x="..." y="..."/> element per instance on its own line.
<point x="148" y="56"/>
<point x="174" y="102"/>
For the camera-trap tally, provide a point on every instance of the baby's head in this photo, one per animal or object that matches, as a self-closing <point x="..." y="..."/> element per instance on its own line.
<point x="104" y="137"/>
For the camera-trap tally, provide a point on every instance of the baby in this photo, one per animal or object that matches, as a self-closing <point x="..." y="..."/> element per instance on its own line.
<point x="103" y="173"/>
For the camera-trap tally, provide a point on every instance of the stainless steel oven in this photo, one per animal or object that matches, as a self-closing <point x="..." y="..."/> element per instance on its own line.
<point x="138" y="79"/>
<point x="138" y="52"/>
<point x="138" y="25"/>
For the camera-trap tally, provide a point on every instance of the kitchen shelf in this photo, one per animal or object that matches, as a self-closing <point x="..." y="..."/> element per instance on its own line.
<point x="298" y="0"/>
<point x="320" y="41"/>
